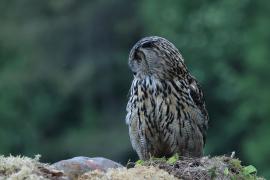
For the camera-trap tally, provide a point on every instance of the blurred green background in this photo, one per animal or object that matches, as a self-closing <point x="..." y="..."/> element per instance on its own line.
<point x="64" y="78"/>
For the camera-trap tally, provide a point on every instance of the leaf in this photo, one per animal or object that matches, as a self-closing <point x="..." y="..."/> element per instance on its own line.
<point x="226" y="171"/>
<point x="249" y="170"/>
<point x="139" y="162"/>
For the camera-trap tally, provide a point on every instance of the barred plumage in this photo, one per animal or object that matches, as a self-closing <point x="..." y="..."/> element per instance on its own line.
<point x="166" y="111"/>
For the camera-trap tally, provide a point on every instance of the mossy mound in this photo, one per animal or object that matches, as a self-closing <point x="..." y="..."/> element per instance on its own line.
<point x="21" y="168"/>
<point x="220" y="167"/>
<point x="136" y="173"/>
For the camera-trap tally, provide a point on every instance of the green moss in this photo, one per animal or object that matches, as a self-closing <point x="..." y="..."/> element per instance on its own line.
<point x="154" y="160"/>
<point x="212" y="172"/>
<point x="235" y="164"/>
<point x="172" y="160"/>
<point x="237" y="171"/>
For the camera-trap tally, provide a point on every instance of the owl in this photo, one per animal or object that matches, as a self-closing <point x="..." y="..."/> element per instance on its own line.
<point x="166" y="112"/>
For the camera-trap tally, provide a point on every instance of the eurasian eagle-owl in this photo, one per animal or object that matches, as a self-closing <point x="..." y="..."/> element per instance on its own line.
<point x="166" y="112"/>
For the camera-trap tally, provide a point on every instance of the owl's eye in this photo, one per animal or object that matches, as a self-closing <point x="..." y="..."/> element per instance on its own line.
<point x="147" y="45"/>
<point x="138" y="56"/>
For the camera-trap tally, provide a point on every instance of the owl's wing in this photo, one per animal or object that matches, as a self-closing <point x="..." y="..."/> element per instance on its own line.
<point x="198" y="98"/>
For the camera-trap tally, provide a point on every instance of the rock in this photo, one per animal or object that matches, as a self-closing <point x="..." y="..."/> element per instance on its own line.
<point x="77" y="166"/>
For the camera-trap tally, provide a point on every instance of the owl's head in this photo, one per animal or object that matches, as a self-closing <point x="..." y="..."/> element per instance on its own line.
<point x="156" y="56"/>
